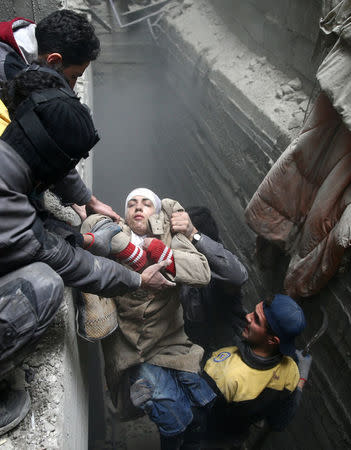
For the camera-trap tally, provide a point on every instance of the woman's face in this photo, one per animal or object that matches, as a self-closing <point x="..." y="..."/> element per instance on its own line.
<point x="139" y="209"/>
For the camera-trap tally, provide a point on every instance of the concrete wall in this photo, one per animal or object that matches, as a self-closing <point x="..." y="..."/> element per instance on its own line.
<point x="285" y="31"/>
<point x="29" y="9"/>
<point x="228" y="88"/>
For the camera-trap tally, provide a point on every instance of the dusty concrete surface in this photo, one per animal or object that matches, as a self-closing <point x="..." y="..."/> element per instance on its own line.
<point x="266" y="94"/>
<point x="58" y="390"/>
<point x="31" y="9"/>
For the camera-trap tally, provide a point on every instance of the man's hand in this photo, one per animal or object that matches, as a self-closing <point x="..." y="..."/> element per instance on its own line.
<point x="97" y="207"/>
<point x="304" y="365"/>
<point x="151" y="278"/>
<point x="80" y="210"/>
<point x="181" y="223"/>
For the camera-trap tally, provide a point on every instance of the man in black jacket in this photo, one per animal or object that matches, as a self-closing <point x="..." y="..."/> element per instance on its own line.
<point x="65" y="41"/>
<point x="214" y="314"/>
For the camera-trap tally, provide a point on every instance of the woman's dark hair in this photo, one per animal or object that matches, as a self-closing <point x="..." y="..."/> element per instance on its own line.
<point x="70" y="34"/>
<point x="19" y="88"/>
<point x="202" y="219"/>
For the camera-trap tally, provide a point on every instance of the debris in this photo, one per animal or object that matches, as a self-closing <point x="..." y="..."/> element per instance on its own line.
<point x="289" y="97"/>
<point x="36" y="360"/>
<point x="261" y="60"/>
<point x="300" y="98"/>
<point x="48" y="426"/>
<point x="279" y="93"/>
<point x="304" y="105"/>
<point x="295" y="84"/>
<point x="175" y="12"/>
<point x="252" y="64"/>
<point x="296" y="120"/>
<point x="287" y="89"/>
<point x="187" y="4"/>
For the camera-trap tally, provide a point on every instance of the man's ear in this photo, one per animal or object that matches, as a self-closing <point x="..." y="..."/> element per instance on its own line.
<point x="54" y="59"/>
<point x="273" y="340"/>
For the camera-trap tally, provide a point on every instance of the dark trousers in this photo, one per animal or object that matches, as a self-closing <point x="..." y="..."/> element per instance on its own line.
<point x="29" y="300"/>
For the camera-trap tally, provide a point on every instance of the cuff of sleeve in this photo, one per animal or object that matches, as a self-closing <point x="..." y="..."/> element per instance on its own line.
<point x="135" y="279"/>
<point x="85" y="197"/>
<point x="119" y="242"/>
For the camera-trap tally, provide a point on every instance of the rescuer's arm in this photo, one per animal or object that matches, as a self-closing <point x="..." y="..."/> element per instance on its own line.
<point x="23" y="239"/>
<point x="225" y="266"/>
<point x="281" y="415"/>
<point x="185" y="264"/>
<point x="72" y="189"/>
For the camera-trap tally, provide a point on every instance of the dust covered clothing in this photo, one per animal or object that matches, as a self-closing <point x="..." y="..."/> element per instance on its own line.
<point x="24" y="239"/>
<point x="251" y="388"/>
<point x="29" y="300"/>
<point x="151" y="326"/>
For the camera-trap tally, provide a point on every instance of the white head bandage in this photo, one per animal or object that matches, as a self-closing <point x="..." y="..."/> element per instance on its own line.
<point x="146" y="193"/>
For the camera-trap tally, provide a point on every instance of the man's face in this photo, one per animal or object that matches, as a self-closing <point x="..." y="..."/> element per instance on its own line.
<point x="139" y="209"/>
<point x="256" y="331"/>
<point x="73" y="72"/>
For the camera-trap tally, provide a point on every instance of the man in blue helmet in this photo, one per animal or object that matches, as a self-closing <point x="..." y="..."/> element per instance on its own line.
<point x="259" y="378"/>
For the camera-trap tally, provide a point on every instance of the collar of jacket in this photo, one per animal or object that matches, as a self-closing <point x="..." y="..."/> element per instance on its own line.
<point x="254" y="361"/>
<point x="159" y="223"/>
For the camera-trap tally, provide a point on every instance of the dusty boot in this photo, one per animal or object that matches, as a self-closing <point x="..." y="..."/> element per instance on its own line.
<point x="103" y="231"/>
<point x="14" y="406"/>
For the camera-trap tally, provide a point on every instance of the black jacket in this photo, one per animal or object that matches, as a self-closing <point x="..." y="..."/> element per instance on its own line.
<point x="214" y="315"/>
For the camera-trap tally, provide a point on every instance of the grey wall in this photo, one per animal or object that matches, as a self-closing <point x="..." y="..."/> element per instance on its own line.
<point x="233" y="160"/>
<point x="286" y="30"/>
<point x="30" y="9"/>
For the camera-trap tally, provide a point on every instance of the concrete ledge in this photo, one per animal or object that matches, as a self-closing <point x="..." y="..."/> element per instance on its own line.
<point x="58" y="387"/>
<point x="198" y="38"/>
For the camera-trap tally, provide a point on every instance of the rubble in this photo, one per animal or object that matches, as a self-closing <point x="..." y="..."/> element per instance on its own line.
<point x="43" y="426"/>
<point x="295" y="84"/>
<point x="297" y="120"/>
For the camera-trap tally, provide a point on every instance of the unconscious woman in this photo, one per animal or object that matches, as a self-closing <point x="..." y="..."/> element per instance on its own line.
<point x="150" y="363"/>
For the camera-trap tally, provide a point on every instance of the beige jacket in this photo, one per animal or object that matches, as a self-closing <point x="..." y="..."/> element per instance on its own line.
<point x="304" y="202"/>
<point x="151" y="327"/>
